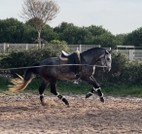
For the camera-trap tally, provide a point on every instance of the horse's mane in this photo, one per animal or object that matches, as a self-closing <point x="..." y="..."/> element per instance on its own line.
<point x="95" y="49"/>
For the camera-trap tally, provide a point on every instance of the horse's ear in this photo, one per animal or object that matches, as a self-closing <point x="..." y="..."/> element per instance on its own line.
<point x="108" y="51"/>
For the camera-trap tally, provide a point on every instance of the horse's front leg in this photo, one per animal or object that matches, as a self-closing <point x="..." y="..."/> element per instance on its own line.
<point x="53" y="90"/>
<point x="96" y="88"/>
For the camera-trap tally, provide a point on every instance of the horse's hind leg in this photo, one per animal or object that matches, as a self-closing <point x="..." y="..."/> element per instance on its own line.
<point x="53" y="90"/>
<point x="41" y="92"/>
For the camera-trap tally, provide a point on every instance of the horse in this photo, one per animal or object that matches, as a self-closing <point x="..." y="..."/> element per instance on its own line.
<point x="66" y="67"/>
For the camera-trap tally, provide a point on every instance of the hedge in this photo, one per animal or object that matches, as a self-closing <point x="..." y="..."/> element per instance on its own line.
<point x="124" y="70"/>
<point x="30" y="57"/>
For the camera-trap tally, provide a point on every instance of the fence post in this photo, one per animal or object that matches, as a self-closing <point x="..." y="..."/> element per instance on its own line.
<point x="4" y="47"/>
<point x="80" y="48"/>
<point x="27" y="46"/>
<point x="131" y="54"/>
<point x="37" y="46"/>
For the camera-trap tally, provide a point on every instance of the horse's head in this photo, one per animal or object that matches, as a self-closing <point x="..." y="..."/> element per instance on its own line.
<point x="106" y="61"/>
<point x="93" y="55"/>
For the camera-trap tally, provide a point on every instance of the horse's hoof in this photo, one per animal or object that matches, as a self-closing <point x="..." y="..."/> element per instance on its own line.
<point x="102" y="99"/>
<point x="68" y="106"/>
<point x="88" y="95"/>
<point x="43" y="103"/>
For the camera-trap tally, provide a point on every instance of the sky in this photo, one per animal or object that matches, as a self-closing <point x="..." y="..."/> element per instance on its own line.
<point x="117" y="16"/>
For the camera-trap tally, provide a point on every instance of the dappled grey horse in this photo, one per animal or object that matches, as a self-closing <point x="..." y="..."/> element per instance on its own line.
<point x="68" y="67"/>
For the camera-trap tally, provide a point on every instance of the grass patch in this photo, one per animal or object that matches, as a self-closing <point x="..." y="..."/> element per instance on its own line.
<point x="71" y="88"/>
<point x="3" y="85"/>
<point x="63" y="87"/>
<point x="123" y="89"/>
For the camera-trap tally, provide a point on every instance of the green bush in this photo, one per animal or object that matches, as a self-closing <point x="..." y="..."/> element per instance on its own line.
<point x="132" y="73"/>
<point x="124" y="70"/>
<point x="27" y="58"/>
<point x="119" y="63"/>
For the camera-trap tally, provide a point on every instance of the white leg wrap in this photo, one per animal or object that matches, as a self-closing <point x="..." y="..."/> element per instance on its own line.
<point x="90" y="93"/>
<point x="42" y="95"/>
<point x="96" y="89"/>
<point x="102" y="95"/>
<point x="60" y="96"/>
<point x="57" y="94"/>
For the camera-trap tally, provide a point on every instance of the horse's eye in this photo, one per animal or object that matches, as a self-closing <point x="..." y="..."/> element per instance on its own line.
<point x="108" y="59"/>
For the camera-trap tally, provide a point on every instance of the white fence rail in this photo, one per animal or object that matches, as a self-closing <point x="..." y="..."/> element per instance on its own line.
<point x="5" y="47"/>
<point x="133" y="53"/>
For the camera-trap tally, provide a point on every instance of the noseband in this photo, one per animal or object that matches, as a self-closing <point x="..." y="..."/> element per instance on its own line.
<point x="105" y="62"/>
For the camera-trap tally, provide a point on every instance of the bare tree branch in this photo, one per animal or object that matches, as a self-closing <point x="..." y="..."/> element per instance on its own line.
<point x="42" y="11"/>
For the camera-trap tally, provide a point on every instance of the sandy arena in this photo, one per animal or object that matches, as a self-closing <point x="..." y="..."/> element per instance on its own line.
<point x="23" y="114"/>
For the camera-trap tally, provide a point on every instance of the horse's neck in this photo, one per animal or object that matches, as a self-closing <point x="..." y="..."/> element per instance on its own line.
<point x="91" y="59"/>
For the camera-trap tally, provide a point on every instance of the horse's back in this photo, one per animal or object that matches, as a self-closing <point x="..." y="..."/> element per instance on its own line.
<point x="50" y="61"/>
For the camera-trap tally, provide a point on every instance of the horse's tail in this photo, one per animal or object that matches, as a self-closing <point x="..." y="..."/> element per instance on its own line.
<point x="19" y="84"/>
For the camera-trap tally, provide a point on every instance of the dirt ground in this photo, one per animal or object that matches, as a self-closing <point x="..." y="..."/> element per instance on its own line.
<point x="23" y="114"/>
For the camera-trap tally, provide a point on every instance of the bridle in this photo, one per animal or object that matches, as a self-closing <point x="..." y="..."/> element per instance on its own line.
<point x="104" y="57"/>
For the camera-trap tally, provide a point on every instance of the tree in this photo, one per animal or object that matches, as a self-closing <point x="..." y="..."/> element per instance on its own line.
<point x="106" y="40"/>
<point x="29" y="34"/>
<point x="97" y="30"/>
<point x="11" y="30"/>
<point x="48" y="34"/>
<point x="67" y="32"/>
<point x="40" y="13"/>
<point x="134" y="38"/>
<point x="73" y="34"/>
<point x="121" y="38"/>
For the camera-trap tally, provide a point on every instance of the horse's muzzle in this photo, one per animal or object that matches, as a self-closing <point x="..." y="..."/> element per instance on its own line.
<point x="107" y="69"/>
